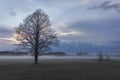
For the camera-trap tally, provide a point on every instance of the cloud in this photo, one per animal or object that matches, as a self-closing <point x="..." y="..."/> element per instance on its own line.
<point x="13" y="13"/>
<point x="5" y="31"/>
<point x="8" y="40"/>
<point x="107" y="5"/>
<point x="6" y="34"/>
<point x="62" y="3"/>
<point x="66" y="33"/>
<point x="79" y="23"/>
<point x="103" y="30"/>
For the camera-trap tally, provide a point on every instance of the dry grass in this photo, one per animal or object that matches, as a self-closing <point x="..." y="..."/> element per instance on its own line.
<point x="61" y="70"/>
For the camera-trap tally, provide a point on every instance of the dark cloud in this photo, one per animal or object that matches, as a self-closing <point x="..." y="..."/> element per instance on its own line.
<point x="102" y="35"/>
<point x="5" y="31"/>
<point x="5" y="38"/>
<point x="107" y="5"/>
<point x="12" y="13"/>
<point x="98" y="30"/>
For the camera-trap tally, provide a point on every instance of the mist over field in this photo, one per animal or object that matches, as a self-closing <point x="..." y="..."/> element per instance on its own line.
<point x="55" y="57"/>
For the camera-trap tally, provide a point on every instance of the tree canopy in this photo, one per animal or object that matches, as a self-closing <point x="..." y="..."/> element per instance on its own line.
<point x="36" y="33"/>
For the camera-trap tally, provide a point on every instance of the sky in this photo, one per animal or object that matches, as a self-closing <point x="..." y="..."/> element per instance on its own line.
<point x="81" y="25"/>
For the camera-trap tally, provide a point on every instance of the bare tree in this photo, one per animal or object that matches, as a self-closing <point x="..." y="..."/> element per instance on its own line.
<point x="36" y="33"/>
<point x="100" y="56"/>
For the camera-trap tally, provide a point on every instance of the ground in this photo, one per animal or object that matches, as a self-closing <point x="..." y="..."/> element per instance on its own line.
<point x="60" y="70"/>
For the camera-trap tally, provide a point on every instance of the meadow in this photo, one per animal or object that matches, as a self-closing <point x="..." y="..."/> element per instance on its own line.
<point x="59" y="69"/>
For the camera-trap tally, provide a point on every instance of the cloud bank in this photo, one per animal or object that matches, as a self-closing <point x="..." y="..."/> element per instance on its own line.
<point x="107" y="5"/>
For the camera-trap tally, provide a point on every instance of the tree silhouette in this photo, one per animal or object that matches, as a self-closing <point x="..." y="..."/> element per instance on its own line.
<point x="100" y="56"/>
<point x="36" y="33"/>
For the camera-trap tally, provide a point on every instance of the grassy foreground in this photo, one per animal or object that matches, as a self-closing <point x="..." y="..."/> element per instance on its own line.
<point x="61" y="71"/>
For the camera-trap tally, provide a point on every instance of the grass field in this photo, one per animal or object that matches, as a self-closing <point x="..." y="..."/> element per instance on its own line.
<point x="60" y="70"/>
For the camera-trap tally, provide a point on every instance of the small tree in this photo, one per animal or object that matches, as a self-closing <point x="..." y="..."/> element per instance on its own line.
<point x="36" y="33"/>
<point x="100" y="56"/>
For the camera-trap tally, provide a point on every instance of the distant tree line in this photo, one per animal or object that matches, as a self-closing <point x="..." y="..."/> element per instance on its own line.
<point x="55" y="53"/>
<point x="26" y="53"/>
<point x="82" y="54"/>
<point x="12" y="53"/>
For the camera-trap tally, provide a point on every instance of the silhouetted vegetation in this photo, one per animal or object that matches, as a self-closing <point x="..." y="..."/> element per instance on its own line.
<point x="100" y="56"/>
<point x="12" y="53"/>
<point x="82" y="54"/>
<point x="55" y="53"/>
<point x="36" y="33"/>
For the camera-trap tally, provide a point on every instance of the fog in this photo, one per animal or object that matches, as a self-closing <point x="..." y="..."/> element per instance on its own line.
<point x="54" y="57"/>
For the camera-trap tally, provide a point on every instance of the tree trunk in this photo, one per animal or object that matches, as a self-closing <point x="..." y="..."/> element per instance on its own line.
<point x="36" y="44"/>
<point x="36" y="58"/>
<point x="36" y="55"/>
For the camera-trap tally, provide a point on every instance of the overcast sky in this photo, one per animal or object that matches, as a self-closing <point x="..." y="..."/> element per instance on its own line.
<point x="80" y="24"/>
